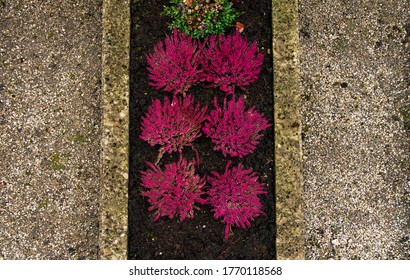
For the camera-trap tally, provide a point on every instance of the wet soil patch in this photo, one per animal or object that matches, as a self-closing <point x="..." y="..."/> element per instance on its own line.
<point x="201" y="237"/>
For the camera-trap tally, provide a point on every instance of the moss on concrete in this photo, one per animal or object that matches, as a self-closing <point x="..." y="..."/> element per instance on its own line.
<point x="115" y="78"/>
<point x="58" y="161"/>
<point x="289" y="215"/>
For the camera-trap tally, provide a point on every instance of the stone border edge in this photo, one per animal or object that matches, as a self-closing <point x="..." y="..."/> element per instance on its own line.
<point x="113" y="220"/>
<point x="290" y="225"/>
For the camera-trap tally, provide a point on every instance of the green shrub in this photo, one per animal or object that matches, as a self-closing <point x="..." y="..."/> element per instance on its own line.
<point x="201" y="18"/>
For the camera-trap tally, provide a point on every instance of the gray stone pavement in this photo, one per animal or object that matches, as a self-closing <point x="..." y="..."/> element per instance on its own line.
<point x="355" y="65"/>
<point x="50" y="128"/>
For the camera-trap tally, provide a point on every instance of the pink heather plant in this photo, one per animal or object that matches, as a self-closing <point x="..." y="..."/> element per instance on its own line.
<point x="234" y="196"/>
<point x="173" y="125"/>
<point x="234" y="130"/>
<point x="174" y="191"/>
<point x="230" y="62"/>
<point x="174" y="65"/>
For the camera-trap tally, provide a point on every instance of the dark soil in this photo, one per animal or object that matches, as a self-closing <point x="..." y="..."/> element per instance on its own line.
<point x="201" y="237"/>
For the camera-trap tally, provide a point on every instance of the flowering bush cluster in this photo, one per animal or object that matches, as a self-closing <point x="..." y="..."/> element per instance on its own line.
<point x="225" y="62"/>
<point x="234" y="196"/>
<point x="230" y="62"/>
<point x="200" y="18"/>
<point x="174" y="191"/>
<point x="173" y="125"/>
<point x="175" y="65"/>
<point x="234" y="130"/>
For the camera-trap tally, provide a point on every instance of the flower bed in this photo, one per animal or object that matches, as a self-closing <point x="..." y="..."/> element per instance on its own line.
<point x="192" y="231"/>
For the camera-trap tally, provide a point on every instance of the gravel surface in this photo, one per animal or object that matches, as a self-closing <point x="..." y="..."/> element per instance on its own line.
<point x="50" y="69"/>
<point x="355" y="80"/>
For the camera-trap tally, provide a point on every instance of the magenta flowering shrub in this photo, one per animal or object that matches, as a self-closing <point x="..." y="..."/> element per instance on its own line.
<point x="234" y="196"/>
<point x="173" y="192"/>
<point x="229" y="62"/>
<point x="174" y="64"/>
<point x="234" y="130"/>
<point x="173" y="125"/>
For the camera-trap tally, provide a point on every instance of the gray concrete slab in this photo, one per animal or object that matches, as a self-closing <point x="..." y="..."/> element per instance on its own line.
<point x="355" y="101"/>
<point x="50" y="128"/>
